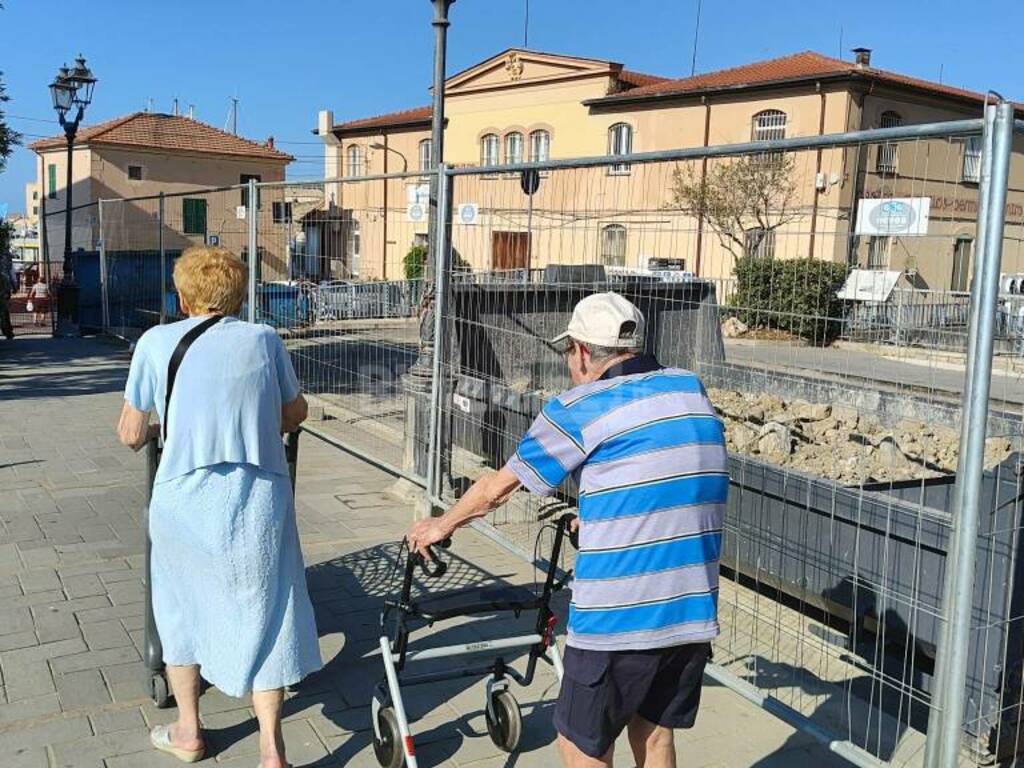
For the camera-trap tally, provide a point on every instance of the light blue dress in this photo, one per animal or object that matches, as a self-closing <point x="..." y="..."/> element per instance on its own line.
<point x="228" y="581"/>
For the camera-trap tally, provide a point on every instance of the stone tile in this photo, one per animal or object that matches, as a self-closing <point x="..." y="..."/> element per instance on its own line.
<point x="56" y="731"/>
<point x="120" y="720"/>
<point x="94" y="660"/>
<point x="27" y="680"/>
<point x="94" y="750"/>
<point x="18" y="640"/>
<point x="104" y="635"/>
<point x="125" y="592"/>
<point x="26" y="709"/>
<point x="85" y="585"/>
<point x="39" y="580"/>
<point x="127" y="682"/>
<point x="82" y="689"/>
<point x="27" y="757"/>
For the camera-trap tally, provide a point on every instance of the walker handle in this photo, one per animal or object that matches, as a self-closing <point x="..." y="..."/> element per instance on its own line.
<point x="431" y="565"/>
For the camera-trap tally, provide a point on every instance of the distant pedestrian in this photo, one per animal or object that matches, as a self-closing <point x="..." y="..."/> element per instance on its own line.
<point x="229" y="585"/>
<point x="39" y="301"/>
<point x="8" y="285"/>
<point x="648" y="452"/>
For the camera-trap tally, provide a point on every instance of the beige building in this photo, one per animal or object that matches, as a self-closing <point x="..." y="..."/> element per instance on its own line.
<point x="144" y="154"/>
<point x="32" y="203"/>
<point x="524" y="105"/>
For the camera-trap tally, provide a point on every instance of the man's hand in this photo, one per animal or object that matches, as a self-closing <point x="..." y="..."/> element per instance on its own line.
<point x="426" y="532"/>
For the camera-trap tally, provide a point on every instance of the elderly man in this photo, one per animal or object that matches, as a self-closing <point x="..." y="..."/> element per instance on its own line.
<point x="648" y="452"/>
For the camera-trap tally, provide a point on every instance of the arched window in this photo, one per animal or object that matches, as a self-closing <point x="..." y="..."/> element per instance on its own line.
<point x="613" y="245"/>
<point x="620" y="142"/>
<point x="513" y="147"/>
<point x="540" y="146"/>
<point x="354" y="162"/>
<point x="887" y="152"/>
<point x="768" y="125"/>
<point x="489" y="149"/>
<point x="426" y="152"/>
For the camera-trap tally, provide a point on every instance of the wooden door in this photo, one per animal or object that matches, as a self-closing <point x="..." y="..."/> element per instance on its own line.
<point x="510" y="250"/>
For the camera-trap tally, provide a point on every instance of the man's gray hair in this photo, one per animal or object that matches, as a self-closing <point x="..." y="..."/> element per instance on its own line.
<point x="599" y="353"/>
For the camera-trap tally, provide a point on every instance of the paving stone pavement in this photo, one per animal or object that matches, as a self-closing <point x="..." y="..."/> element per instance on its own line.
<point x="72" y="687"/>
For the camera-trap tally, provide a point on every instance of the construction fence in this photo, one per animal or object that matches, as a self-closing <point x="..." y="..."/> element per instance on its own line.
<point x="849" y="302"/>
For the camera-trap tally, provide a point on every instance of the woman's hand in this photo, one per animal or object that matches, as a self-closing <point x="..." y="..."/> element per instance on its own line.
<point x="427" y="532"/>
<point x="293" y="414"/>
<point x="133" y="428"/>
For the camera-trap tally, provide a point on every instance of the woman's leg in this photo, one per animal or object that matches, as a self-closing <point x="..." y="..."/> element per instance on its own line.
<point x="268" y="712"/>
<point x="185" y="732"/>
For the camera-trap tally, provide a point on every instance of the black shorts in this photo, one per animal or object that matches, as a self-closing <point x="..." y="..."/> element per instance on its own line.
<point x="603" y="690"/>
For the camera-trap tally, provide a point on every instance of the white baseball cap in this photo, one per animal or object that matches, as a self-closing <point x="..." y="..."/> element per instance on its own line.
<point x="605" y="320"/>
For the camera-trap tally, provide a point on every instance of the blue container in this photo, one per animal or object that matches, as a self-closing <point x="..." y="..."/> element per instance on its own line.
<point x="281" y="305"/>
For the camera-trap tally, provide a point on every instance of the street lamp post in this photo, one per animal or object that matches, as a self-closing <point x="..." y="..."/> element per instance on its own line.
<point x="405" y="169"/>
<point x="71" y="90"/>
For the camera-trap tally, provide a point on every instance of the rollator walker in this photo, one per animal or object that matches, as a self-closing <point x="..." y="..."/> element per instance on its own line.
<point x="392" y="738"/>
<point x="152" y="648"/>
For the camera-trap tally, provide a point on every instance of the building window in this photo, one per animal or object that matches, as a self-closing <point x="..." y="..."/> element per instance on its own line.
<point x="135" y="172"/>
<point x="35" y="194"/>
<point x="35" y="210"/>
<point x="51" y="172"/>
<point x="354" y="163"/>
<point x="540" y="146"/>
<point x="244" y="179"/>
<point x="878" y="252"/>
<point x="972" y="160"/>
<point x="193" y="214"/>
<point x="769" y="125"/>
<point x="613" y="245"/>
<point x="489" y="149"/>
<point x="244" y="255"/>
<point x="961" y="277"/>
<point x="513" y="148"/>
<point x="759" y="243"/>
<point x="426" y="155"/>
<point x="620" y="142"/>
<point x="887" y="151"/>
<point x="352" y="245"/>
<point x="281" y="212"/>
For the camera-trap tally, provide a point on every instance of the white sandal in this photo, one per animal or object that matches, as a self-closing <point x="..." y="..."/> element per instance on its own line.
<point x="160" y="737"/>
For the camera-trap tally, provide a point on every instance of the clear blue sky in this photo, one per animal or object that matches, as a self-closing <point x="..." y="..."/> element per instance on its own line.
<point x="287" y="60"/>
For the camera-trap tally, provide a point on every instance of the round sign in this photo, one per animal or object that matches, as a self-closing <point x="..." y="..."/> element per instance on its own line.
<point x="893" y="217"/>
<point x="529" y="181"/>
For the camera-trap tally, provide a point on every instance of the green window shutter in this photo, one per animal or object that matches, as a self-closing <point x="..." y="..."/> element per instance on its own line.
<point x="194" y="215"/>
<point x="52" y="171"/>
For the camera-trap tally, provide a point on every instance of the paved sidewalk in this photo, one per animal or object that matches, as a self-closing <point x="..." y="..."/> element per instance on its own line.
<point x="72" y="686"/>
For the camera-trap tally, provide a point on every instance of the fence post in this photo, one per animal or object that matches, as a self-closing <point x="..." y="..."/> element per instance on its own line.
<point x="944" y="731"/>
<point x="442" y="285"/>
<point x="104" y="292"/>
<point x="163" y="260"/>
<point x="250" y="217"/>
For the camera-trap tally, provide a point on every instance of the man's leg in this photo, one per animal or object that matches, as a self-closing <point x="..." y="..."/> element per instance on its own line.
<point x="572" y="757"/>
<point x="268" y="711"/>
<point x="653" y="745"/>
<point x="185" y="732"/>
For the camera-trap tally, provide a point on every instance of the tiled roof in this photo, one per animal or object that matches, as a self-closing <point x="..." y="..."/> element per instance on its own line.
<point x="154" y="130"/>
<point x="798" y="66"/>
<point x="412" y="116"/>
<point x="639" y="79"/>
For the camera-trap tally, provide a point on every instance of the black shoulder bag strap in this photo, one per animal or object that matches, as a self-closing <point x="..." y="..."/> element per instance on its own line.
<point x="178" y="355"/>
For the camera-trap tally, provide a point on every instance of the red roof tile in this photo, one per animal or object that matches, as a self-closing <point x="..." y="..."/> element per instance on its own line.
<point x="389" y="119"/>
<point x="797" y="66"/>
<point x="639" y="79"/>
<point x="154" y="130"/>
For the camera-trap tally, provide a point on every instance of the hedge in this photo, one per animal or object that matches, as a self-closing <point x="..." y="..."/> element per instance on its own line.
<point x="793" y="295"/>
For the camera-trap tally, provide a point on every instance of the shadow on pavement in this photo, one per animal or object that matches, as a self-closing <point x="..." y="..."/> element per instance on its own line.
<point x="40" y="366"/>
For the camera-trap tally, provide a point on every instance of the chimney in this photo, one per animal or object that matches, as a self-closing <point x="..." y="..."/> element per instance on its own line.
<point x="175" y="107"/>
<point x="191" y="111"/>
<point x="270" y="141"/>
<point x="862" y="57"/>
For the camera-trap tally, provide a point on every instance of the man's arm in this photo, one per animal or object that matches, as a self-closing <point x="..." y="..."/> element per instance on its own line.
<point x="133" y="428"/>
<point x="487" y="493"/>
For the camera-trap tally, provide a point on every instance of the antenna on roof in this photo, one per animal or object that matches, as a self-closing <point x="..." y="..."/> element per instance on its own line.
<point x="840" y="41"/>
<point x="232" y="116"/>
<point x="941" y="65"/>
<point x="149" y="104"/>
<point x="191" y="111"/>
<point x="696" y="33"/>
<point x="175" y="110"/>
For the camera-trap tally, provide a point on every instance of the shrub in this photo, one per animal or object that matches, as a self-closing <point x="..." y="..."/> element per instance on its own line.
<point x="793" y="295"/>
<point x="416" y="258"/>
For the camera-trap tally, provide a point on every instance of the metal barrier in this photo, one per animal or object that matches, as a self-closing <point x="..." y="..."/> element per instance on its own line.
<point x="870" y="589"/>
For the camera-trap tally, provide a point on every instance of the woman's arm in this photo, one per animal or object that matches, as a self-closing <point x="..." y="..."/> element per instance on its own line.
<point x="294" y="413"/>
<point x="133" y="427"/>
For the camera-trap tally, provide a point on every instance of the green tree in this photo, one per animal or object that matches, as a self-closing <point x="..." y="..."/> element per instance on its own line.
<point x="9" y="138"/>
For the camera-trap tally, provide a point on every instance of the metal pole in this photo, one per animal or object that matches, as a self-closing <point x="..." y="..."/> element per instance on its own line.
<point x="104" y="292"/>
<point x="441" y="289"/>
<point x="163" y="260"/>
<point x="67" y="297"/>
<point x="250" y="215"/>
<point x="440" y="24"/>
<point x="44" y="248"/>
<point x="959" y="592"/>
<point x="938" y="707"/>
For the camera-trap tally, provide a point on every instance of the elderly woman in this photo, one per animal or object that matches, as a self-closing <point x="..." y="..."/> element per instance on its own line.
<point x="229" y="588"/>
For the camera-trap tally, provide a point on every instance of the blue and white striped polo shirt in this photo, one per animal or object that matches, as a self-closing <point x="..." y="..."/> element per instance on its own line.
<point x="649" y="453"/>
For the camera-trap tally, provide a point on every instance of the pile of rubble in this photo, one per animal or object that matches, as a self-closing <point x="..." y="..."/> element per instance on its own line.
<point x="837" y="442"/>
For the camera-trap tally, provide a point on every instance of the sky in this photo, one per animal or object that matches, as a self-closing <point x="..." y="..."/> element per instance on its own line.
<point x="286" y="61"/>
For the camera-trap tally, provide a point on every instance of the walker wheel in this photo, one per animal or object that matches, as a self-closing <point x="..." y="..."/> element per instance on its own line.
<point x="158" y="690"/>
<point x="388" y="748"/>
<point x="507" y="725"/>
